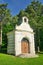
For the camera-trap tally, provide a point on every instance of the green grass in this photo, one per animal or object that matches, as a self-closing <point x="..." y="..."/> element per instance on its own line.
<point x="12" y="60"/>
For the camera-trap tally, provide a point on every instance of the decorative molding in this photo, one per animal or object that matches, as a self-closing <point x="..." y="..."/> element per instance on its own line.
<point x="24" y="31"/>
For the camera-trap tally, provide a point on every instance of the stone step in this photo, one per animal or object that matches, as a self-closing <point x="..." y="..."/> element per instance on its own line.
<point x="28" y="55"/>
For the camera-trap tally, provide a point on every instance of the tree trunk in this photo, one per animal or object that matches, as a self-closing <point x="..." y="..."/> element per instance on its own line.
<point x="38" y="40"/>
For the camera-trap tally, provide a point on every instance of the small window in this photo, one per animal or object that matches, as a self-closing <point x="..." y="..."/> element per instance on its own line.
<point x="25" y="20"/>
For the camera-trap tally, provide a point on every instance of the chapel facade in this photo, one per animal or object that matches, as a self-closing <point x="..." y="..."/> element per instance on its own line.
<point x="22" y="39"/>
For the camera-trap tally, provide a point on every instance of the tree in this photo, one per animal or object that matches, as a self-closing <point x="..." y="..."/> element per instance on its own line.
<point x="35" y="13"/>
<point x="2" y="14"/>
<point x="6" y="19"/>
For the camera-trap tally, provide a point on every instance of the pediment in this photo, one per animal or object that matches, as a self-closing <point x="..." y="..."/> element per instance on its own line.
<point x="24" y="25"/>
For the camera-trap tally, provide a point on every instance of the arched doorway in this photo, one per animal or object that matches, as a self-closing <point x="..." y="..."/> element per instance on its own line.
<point x="25" y="47"/>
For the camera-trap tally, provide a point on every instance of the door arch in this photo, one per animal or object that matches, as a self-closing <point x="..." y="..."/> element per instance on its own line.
<point x="25" y="47"/>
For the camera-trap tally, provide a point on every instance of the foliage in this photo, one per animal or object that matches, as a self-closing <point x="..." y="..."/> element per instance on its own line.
<point x="6" y="25"/>
<point x="34" y="12"/>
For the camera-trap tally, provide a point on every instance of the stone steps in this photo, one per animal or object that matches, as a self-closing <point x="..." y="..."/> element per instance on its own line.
<point x="28" y="55"/>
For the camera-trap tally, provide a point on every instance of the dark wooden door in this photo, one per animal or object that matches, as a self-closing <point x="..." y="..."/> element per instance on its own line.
<point x="25" y="47"/>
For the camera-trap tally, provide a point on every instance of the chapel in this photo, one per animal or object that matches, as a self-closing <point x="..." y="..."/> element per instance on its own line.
<point x="21" y="40"/>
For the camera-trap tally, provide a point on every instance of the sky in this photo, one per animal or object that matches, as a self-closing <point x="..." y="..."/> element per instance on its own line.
<point x="16" y="6"/>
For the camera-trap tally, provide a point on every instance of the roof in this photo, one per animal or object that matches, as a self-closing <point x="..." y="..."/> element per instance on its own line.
<point x="24" y="25"/>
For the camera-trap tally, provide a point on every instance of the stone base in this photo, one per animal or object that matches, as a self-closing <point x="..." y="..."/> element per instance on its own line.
<point x="28" y="55"/>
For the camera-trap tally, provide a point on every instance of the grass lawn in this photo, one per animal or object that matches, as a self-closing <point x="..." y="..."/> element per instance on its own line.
<point x="12" y="60"/>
